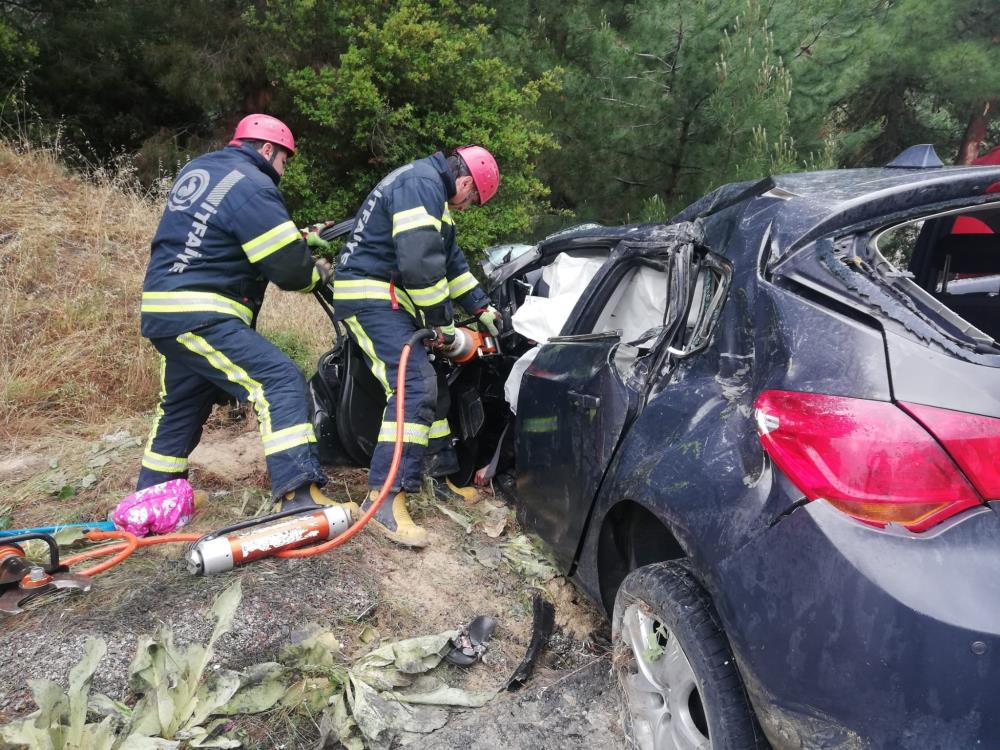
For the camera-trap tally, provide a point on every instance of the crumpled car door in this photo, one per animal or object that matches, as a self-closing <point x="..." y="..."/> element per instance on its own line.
<point x="586" y="386"/>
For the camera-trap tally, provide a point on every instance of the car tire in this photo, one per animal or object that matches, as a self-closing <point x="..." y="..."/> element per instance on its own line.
<point x="673" y="663"/>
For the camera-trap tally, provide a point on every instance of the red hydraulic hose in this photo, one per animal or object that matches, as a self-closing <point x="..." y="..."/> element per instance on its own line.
<point x="121" y="550"/>
<point x="397" y="456"/>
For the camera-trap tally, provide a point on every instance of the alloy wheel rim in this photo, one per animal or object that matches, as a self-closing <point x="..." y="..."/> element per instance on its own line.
<point x="660" y="685"/>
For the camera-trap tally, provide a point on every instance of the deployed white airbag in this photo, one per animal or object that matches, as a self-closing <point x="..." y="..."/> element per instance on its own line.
<point x="541" y="318"/>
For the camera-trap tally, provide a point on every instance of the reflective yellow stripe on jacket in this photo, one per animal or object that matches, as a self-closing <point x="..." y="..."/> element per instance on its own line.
<point x="439" y="429"/>
<point x="461" y="284"/>
<point x="344" y="289"/>
<point x="413" y="218"/>
<point x="187" y="302"/>
<point x="271" y="241"/>
<point x="430" y="295"/>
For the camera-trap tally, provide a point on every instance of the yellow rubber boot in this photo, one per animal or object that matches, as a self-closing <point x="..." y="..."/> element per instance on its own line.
<point x="448" y="492"/>
<point x="311" y="496"/>
<point x="393" y="520"/>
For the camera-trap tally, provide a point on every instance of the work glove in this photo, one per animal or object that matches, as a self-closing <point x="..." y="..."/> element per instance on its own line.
<point x="444" y="336"/>
<point x="311" y="235"/>
<point x="325" y="271"/>
<point x="316" y="242"/>
<point x="490" y="318"/>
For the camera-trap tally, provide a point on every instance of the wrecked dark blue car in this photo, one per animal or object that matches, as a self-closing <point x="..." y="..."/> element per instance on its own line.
<point x="765" y="438"/>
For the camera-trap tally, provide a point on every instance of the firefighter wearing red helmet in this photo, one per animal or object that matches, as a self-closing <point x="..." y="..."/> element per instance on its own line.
<point x="400" y="271"/>
<point x="225" y="234"/>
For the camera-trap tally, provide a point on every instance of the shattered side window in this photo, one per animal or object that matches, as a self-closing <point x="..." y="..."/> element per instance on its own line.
<point x="711" y="283"/>
<point x="948" y="267"/>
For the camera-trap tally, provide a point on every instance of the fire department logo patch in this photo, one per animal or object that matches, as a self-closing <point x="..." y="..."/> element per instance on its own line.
<point x="187" y="190"/>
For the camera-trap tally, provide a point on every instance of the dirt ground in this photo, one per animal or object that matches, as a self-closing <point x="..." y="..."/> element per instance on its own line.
<point x="366" y="591"/>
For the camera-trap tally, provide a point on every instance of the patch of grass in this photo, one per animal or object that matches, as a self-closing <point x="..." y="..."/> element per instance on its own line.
<point x="297" y="325"/>
<point x="297" y="347"/>
<point x="71" y="258"/>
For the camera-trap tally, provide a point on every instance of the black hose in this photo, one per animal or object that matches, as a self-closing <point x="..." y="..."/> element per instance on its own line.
<point x="423" y="333"/>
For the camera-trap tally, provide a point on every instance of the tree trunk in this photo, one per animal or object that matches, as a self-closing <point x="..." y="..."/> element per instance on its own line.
<point x="975" y="132"/>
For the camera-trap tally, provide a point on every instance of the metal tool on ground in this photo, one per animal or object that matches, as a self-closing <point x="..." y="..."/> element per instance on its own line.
<point x="251" y="540"/>
<point x="21" y="580"/>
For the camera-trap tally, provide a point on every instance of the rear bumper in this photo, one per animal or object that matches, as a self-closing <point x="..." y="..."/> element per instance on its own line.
<point x="851" y="636"/>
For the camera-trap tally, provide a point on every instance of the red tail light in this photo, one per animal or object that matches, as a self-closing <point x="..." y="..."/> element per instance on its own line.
<point x="972" y="440"/>
<point x="866" y="458"/>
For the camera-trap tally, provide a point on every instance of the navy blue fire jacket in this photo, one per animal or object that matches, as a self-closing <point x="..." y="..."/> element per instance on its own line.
<point x="225" y="233"/>
<point x="402" y="250"/>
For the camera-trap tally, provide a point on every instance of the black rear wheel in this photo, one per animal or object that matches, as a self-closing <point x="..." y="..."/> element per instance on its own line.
<point x="680" y="684"/>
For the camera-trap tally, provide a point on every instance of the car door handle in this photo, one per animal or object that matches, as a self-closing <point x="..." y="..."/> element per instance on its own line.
<point x="584" y="401"/>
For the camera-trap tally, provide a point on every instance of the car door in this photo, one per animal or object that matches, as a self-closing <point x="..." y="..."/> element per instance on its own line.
<point x="586" y="385"/>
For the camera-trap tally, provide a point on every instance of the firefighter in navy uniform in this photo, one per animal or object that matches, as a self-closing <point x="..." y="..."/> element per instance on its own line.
<point x="401" y="271"/>
<point x="225" y="234"/>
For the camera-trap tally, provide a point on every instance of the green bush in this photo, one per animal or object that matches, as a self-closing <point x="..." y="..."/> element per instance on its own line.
<point x="400" y="81"/>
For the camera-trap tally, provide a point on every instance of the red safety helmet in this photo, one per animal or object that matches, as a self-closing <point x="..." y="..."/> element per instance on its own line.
<point x="264" y="128"/>
<point x="484" y="169"/>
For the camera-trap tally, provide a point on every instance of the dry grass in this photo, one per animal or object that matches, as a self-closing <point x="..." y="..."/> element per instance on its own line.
<point x="72" y="258"/>
<point x="72" y="255"/>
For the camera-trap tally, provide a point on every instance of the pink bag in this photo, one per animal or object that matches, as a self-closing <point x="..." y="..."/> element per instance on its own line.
<point x="160" y="509"/>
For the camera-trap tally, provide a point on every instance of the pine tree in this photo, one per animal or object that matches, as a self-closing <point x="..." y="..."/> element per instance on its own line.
<point x="931" y="74"/>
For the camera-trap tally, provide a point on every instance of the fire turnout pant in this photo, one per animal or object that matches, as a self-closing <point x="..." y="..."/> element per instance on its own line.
<point x="231" y="357"/>
<point x="381" y="333"/>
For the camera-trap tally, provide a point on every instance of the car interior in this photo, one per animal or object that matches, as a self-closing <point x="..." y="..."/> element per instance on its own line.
<point x="955" y="258"/>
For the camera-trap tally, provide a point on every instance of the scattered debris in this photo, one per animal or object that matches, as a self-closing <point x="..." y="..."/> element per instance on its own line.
<point x="528" y="560"/>
<point x="487" y="555"/>
<point x="544" y="621"/>
<point x="110" y="449"/>
<point x="365" y="704"/>
<point x="462" y="520"/>
<point x="495" y="520"/>
<point x="472" y="642"/>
